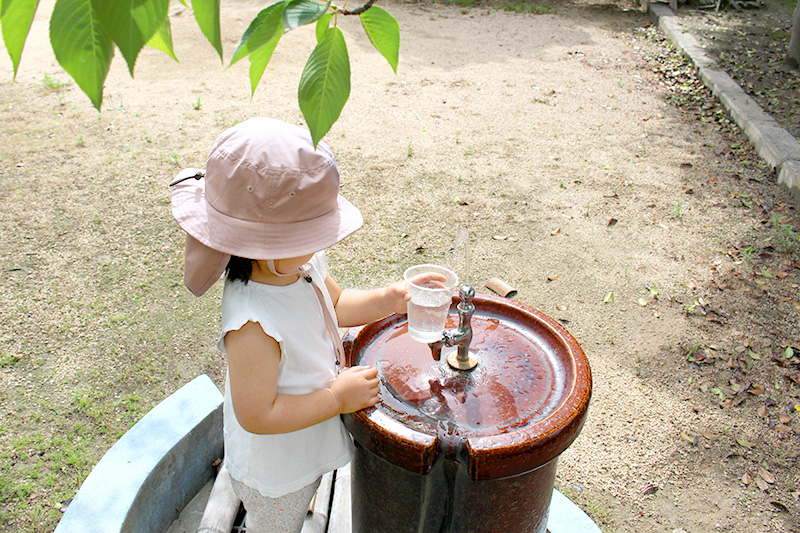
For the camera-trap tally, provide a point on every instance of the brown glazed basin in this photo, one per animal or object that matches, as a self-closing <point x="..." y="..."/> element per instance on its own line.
<point x="490" y="435"/>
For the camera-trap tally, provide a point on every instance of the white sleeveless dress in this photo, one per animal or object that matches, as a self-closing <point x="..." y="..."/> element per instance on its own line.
<point x="278" y="464"/>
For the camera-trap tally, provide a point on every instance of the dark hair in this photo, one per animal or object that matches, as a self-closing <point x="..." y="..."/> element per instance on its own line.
<point x="239" y="269"/>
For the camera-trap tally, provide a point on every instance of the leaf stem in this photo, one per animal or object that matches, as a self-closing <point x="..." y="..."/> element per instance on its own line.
<point x="356" y="11"/>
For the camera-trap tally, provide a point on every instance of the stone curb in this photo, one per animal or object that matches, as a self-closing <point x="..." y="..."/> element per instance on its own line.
<point x="772" y="142"/>
<point x="158" y="466"/>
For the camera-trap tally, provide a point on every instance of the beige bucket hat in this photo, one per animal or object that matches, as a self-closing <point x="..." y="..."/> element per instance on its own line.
<point x="266" y="194"/>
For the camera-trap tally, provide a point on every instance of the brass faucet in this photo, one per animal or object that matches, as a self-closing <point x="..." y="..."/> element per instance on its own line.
<point x="461" y="359"/>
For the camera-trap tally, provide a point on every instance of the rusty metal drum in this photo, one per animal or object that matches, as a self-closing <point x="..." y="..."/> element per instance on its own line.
<point x="454" y="450"/>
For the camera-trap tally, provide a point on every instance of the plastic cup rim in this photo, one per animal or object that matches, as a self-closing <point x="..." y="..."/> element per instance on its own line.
<point x="433" y="267"/>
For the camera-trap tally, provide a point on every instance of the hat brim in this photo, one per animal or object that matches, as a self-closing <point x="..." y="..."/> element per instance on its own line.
<point x="228" y="236"/>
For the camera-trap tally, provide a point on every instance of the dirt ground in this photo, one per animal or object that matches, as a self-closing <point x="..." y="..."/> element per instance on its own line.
<point x="592" y="171"/>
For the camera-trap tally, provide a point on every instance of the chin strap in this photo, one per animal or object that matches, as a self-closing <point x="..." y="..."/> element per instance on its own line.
<point x="330" y="323"/>
<point x="300" y="271"/>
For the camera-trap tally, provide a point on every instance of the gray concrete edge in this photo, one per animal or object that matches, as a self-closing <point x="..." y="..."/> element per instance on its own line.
<point x="127" y="491"/>
<point x="566" y="517"/>
<point x="776" y="146"/>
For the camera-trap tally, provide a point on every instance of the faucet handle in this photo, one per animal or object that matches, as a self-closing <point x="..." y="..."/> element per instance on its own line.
<point x="467" y="293"/>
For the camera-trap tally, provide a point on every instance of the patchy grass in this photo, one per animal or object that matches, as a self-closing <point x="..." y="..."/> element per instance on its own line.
<point x="527" y="7"/>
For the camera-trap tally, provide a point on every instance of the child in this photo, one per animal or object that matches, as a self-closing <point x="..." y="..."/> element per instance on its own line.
<point x="266" y="210"/>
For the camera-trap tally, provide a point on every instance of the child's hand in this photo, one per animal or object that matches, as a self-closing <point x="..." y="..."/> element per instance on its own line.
<point x="397" y="293"/>
<point x="356" y="388"/>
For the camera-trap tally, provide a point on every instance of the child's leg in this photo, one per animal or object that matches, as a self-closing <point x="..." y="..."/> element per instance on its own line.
<point x="273" y="515"/>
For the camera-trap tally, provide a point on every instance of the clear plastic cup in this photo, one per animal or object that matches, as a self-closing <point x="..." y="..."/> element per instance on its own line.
<point x="430" y="299"/>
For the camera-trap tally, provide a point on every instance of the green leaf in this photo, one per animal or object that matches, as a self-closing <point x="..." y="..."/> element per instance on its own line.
<point x="162" y="40"/>
<point x="301" y="12"/>
<point x="206" y="13"/>
<point x="16" y="17"/>
<point x="131" y="23"/>
<point x="266" y="27"/>
<point x="322" y="25"/>
<point x="383" y="31"/>
<point x="81" y="46"/>
<point x="259" y="60"/>
<point x="325" y="84"/>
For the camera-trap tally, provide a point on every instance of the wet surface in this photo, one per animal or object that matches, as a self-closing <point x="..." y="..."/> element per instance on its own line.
<point x="519" y="408"/>
<point x="518" y="380"/>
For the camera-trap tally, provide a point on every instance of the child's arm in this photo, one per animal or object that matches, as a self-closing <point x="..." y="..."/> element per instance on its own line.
<point x="253" y="359"/>
<point x="355" y="307"/>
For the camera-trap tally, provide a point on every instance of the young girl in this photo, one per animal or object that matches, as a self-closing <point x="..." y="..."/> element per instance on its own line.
<point x="264" y="212"/>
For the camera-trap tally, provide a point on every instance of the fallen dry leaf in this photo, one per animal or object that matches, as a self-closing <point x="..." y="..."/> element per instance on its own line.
<point x="762" y="411"/>
<point x="779" y="506"/>
<point x="766" y="475"/>
<point x="747" y="478"/>
<point x="552" y="277"/>
<point x="763" y="485"/>
<point x="744" y="443"/>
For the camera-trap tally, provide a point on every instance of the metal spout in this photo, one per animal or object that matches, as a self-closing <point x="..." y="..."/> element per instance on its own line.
<point x="461" y="337"/>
